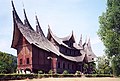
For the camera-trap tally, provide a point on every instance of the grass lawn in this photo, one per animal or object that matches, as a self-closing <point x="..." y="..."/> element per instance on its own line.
<point x="72" y="79"/>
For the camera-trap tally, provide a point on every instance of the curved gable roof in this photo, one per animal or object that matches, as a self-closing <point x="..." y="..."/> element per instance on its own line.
<point x="30" y="35"/>
<point x="60" y="41"/>
<point x="39" y="40"/>
<point x="38" y="28"/>
<point x="57" y="39"/>
<point x="71" y="36"/>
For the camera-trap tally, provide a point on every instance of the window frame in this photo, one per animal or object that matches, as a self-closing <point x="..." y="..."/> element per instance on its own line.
<point x="20" y="61"/>
<point x="27" y="61"/>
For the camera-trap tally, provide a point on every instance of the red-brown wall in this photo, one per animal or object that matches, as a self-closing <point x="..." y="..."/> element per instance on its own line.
<point x="24" y="51"/>
<point x="40" y="61"/>
<point x="72" y="65"/>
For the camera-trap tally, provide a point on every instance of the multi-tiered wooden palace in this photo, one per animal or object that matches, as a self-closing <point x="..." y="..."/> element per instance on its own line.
<point x="35" y="52"/>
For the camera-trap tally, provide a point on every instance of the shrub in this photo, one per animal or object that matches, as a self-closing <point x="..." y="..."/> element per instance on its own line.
<point x="77" y="73"/>
<point x="17" y="76"/>
<point x="50" y="72"/>
<point x="40" y="72"/>
<point x="98" y="75"/>
<point x="65" y="72"/>
<point x="31" y="76"/>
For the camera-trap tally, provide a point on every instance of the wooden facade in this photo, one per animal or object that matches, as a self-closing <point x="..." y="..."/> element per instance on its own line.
<point x="35" y="52"/>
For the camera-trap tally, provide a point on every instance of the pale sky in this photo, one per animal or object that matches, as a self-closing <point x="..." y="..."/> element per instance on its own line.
<point x="63" y="16"/>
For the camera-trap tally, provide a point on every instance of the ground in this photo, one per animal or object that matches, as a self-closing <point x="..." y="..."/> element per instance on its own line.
<point x="72" y="79"/>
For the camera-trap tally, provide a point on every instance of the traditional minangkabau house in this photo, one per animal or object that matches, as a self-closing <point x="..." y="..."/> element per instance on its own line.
<point x="35" y="52"/>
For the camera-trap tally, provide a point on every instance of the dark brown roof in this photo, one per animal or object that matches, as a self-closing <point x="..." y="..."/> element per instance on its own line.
<point x="26" y="22"/>
<point x="39" y="40"/>
<point x="38" y="28"/>
<point x="88" y="51"/>
<point x="80" y="42"/>
<point x="57" y="39"/>
<point x="31" y="36"/>
<point x="68" y="37"/>
<point x="60" y="40"/>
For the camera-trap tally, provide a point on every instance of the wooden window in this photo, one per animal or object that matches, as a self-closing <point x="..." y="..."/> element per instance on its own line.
<point x="68" y="66"/>
<point x="20" y="61"/>
<point x="58" y="64"/>
<point x="74" y="52"/>
<point x="18" y="50"/>
<point x="70" y="52"/>
<point x="66" y="51"/>
<point x="63" y="65"/>
<point x="27" y="61"/>
<point x="72" y="66"/>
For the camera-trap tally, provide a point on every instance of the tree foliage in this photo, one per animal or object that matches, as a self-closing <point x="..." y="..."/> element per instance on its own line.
<point x="104" y="66"/>
<point x="8" y="63"/>
<point x="89" y="68"/>
<point x="109" y="31"/>
<point x="116" y="65"/>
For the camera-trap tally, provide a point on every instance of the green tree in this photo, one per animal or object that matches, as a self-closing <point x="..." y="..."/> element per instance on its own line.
<point x="8" y="63"/>
<point x="2" y="67"/>
<point x="85" y="68"/>
<point x="109" y="32"/>
<point x="92" y="68"/>
<point x="116" y="65"/>
<point x="104" y="66"/>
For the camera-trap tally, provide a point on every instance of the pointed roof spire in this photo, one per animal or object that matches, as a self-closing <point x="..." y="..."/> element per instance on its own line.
<point x="38" y="28"/>
<point x="26" y="22"/>
<point x="16" y="21"/>
<point x="13" y="5"/>
<point x="89" y="45"/>
<point x="85" y="44"/>
<point x="73" y="36"/>
<point x="49" y="30"/>
<point x="72" y="32"/>
<point x="15" y="15"/>
<point x="89" y="40"/>
<point x="86" y="40"/>
<point x="80" y="42"/>
<point x="89" y="48"/>
<point x="48" y="26"/>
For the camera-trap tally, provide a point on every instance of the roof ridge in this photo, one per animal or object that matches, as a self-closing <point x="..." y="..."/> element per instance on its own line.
<point x="38" y="27"/>
<point x="80" y="41"/>
<point x="68" y="37"/>
<point x="26" y="22"/>
<point x="15" y="15"/>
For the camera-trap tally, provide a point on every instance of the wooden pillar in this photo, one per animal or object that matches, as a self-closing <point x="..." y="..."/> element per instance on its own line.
<point x="54" y="65"/>
<point x="53" y="61"/>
